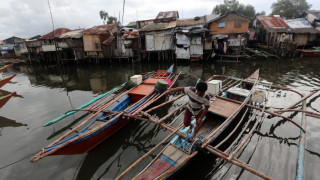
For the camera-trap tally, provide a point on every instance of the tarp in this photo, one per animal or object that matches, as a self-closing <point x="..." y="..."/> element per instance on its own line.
<point x="182" y="53"/>
<point x="183" y="40"/>
<point x="196" y="49"/>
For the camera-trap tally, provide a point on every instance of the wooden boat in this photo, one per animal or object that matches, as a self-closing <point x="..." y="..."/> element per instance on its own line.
<point x="6" y="80"/>
<point x="108" y="118"/>
<point x="180" y="151"/>
<point x="5" y="98"/>
<point x="3" y="68"/>
<point x="309" y="52"/>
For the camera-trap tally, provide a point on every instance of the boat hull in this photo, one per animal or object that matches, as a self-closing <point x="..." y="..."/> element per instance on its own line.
<point x="6" y="80"/>
<point x="84" y="146"/>
<point x="5" y="99"/>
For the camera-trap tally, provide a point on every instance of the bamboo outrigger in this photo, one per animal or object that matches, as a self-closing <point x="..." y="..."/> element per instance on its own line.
<point x="107" y="117"/>
<point x="181" y="148"/>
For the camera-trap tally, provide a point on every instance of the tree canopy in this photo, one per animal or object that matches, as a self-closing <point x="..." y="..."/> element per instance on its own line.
<point x="290" y="8"/>
<point x="106" y="18"/>
<point x="234" y="5"/>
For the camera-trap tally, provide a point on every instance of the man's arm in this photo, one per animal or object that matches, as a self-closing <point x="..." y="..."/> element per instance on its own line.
<point x="175" y="89"/>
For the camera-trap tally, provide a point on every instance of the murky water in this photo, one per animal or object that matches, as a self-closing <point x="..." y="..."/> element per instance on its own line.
<point x="49" y="91"/>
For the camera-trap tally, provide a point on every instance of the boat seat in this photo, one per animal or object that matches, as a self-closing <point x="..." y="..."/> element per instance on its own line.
<point x="223" y="107"/>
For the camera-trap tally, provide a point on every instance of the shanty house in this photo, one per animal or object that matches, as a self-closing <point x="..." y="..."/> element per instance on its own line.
<point x="49" y="44"/>
<point x="94" y="37"/>
<point x="312" y="17"/>
<point x="71" y="44"/>
<point x="12" y="47"/>
<point x="229" y="30"/>
<point x="157" y="38"/>
<point x="34" y="47"/>
<point x="303" y="33"/>
<point x="190" y="38"/>
<point x="122" y="45"/>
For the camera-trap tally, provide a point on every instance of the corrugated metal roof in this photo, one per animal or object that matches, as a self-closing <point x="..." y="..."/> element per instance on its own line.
<point x="168" y="14"/>
<point x="108" y="41"/>
<point x="190" y="22"/>
<point x="102" y="29"/>
<point x="232" y="15"/>
<point x="132" y="24"/>
<point x="131" y="35"/>
<point x="315" y="13"/>
<point x="272" y="22"/>
<point x="211" y="17"/>
<point x="158" y="26"/>
<point x="298" y="23"/>
<point x="57" y="33"/>
<point x="76" y="34"/>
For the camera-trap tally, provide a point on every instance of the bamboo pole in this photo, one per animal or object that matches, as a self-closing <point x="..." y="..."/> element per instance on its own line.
<point x="172" y="112"/>
<point x="302" y="143"/>
<point x="309" y="113"/>
<point x="147" y="154"/>
<point x="165" y="103"/>
<point x="252" y="129"/>
<point x="235" y="161"/>
<point x="269" y="112"/>
<point x="302" y="99"/>
<point x="176" y="118"/>
<point x="231" y="133"/>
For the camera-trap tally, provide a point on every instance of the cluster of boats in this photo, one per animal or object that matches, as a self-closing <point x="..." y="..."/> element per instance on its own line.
<point x="230" y="100"/>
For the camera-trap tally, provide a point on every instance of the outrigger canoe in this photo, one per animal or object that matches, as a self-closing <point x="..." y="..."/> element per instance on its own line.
<point x="5" y="98"/>
<point x="3" y="68"/>
<point x="6" y="80"/>
<point x="223" y="110"/>
<point x="109" y="116"/>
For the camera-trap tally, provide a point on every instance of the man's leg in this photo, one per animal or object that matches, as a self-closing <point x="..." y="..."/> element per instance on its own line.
<point x="187" y="119"/>
<point x="198" y="124"/>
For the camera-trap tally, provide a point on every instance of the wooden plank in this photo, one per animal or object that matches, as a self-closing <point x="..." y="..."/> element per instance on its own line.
<point x="174" y="154"/>
<point x="223" y="107"/>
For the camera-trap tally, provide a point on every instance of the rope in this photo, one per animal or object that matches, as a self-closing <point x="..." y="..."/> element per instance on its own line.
<point x="18" y="160"/>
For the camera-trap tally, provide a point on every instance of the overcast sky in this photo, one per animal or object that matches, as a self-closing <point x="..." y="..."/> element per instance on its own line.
<point x="27" y="18"/>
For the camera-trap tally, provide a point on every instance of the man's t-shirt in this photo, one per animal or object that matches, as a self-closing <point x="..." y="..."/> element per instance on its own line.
<point x="196" y="102"/>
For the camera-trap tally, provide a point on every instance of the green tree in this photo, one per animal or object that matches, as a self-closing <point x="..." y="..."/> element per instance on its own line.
<point x="290" y="8"/>
<point x="234" y="5"/>
<point x="106" y="18"/>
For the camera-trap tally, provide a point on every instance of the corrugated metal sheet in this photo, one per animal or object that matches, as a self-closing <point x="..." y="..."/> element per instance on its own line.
<point x="272" y="22"/>
<point x="298" y="23"/>
<point x="168" y="14"/>
<point x="58" y="32"/>
<point x="315" y="13"/>
<point x="190" y="22"/>
<point x="158" y="26"/>
<point x="103" y="29"/>
<point x="76" y="34"/>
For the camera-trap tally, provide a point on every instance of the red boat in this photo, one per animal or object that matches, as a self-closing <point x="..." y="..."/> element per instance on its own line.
<point x="309" y="52"/>
<point x="5" y="99"/>
<point x="109" y="117"/>
<point x="6" y="80"/>
<point x="5" y="67"/>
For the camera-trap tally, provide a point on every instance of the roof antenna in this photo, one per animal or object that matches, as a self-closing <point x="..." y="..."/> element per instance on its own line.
<point x="54" y="35"/>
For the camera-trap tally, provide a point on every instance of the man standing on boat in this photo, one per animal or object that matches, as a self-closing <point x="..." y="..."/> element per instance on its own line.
<point x="197" y="105"/>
